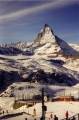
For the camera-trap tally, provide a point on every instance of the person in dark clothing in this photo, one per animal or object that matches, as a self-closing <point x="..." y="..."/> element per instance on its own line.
<point x="3" y="111"/>
<point x="25" y="118"/>
<point x="67" y="115"/>
<point x="55" y="117"/>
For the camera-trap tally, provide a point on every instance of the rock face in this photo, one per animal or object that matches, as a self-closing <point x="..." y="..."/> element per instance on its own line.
<point x="45" y="36"/>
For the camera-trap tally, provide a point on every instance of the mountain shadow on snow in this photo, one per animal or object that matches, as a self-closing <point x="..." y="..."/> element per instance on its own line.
<point x="51" y="78"/>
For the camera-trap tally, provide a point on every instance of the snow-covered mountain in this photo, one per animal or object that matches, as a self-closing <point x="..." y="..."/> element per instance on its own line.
<point x="19" y="45"/>
<point x="48" y="43"/>
<point x="48" y="59"/>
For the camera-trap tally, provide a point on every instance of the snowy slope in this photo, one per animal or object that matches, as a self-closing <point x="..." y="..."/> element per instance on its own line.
<point x="56" y="108"/>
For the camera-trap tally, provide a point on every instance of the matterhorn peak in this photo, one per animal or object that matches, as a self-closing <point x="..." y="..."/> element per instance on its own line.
<point x="46" y="35"/>
<point x="47" y="41"/>
<point x="47" y="29"/>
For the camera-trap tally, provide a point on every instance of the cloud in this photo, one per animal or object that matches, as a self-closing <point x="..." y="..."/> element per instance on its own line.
<point x="35" y="9"/>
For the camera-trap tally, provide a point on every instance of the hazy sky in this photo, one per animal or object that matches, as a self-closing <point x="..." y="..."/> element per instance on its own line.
<point x="21" y="20"/>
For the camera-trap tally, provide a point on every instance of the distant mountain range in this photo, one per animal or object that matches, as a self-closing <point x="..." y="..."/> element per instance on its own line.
<point x="47" y="59"/>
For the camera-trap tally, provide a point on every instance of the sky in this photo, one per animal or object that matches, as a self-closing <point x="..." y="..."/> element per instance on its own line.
<point x="22" y="20"/>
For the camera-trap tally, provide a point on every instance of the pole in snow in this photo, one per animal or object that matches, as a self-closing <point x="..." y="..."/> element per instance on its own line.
<point x="44" y="108"/>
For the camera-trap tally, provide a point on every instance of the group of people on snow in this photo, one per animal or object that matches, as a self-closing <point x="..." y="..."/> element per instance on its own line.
<point x="55" y="117"/>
